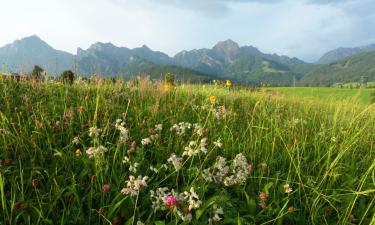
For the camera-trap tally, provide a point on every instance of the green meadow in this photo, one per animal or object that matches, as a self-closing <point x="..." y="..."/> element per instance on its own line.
<point x="147" y="152"/>
<point x="330" y="94"/>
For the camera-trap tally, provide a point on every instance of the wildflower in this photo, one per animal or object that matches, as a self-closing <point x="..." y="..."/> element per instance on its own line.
<point x="78" y="152"/>
<point x="167" y="87"/>
<point x="153" y="137"/>
<point x="133" y="145"/>
<point x="175" y="161"/>
<point x="221" y="112"/>
<point x="250" y="168"/>
<point x="8" y="162"/>
<point x="94" y="131"/>
<point x="228" y="83"/>
<point x="171" y="201"/>
<point x="217" y="213"/>
<point x="125" y="160"/>
<point x="186" y="217"/>
<point x="287" y="188"/>
<point x="263" y="197"/>
<point x="92" y="151"/>
<point x="106" y="188"/>
<point x="218" y="143"/>
<point x="133" y="168"/>
<point x="158" y="198"/>
<point x="240" y="171"/>
<point x="58" y="123"/>
<point x="202" y="145"/>
<point x="213" y="99"/>
<point x="181" y="128"/>
<point x="291" y="209"/>
<point x="133" y="185"/>
<point x="124" y="132"/>
<point x="153" y="169"/>
<point x="158" y="127"/>
<point x="218" y="172"/>
<point x="192" y="199"/>
<point x="198" y="129"/>
<point x="263" y="205"/>
<point x="146" y="141"/>
<point x="75" y="140"/>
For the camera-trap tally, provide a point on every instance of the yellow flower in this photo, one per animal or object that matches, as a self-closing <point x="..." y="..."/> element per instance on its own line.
<point x="213" y="99"/>
<point x="167" y="87"/>
<point x="78" y="152"/>
<point x="228" y="83"/>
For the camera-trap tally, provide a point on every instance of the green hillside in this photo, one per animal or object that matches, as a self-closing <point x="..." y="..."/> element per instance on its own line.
<point x="350" y="69"/>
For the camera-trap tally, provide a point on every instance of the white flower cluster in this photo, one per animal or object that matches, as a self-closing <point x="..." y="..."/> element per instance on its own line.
<point x="234" y="174"/>
<point x="133" y="185"/>
<point x="217" y="212"/>
<point x="158" y="127"/>
<point x="184" y="202"/>
<point x="198" y="129"/>
<point x="194" y="149"/>
<point x="94" y="131"/>
<point x="93" y="152"/>
<point x="287" y="188"/>
<point x="239" y="170"/>
<point x="192" y="199"/>
<point x="218" y="143"/>
<point x="154" y="136"/>
<point x="133" y="167"/>
<point x="217" y="172"/>
<point x="175" y="161"/>
<point x="181" y="128"/>
<point x="158" y="198"/>
<point x="75" y="140"/>
<point x="124" y="132"/>
<point x="221" y="112"/>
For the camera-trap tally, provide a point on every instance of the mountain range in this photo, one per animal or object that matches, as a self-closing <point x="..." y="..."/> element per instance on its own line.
<point x="340" y="53"/>
<point x="225" y="60"/>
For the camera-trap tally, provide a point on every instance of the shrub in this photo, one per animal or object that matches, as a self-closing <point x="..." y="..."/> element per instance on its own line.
<point x="67" y="76"/>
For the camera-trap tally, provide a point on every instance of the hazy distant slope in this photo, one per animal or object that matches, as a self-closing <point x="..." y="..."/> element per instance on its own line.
<point x="22" y="55"/>
<point x="341" y="53"/>
<point x="350" y="69"/>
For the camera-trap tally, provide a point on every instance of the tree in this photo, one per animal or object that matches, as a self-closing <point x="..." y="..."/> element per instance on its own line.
<point x="37" y="72"/>
<point x="67" y="76"/>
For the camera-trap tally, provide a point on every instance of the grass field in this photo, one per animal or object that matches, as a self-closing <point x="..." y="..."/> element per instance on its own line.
<point x="142" y="152"/>
<point x="355" y="96"/>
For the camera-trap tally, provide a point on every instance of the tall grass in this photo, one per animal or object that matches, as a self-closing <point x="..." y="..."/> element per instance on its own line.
<point x="324" y="151"/>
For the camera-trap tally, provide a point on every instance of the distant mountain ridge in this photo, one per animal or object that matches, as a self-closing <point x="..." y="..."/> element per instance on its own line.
<point x="225" y="60"/>
<point x="340" y="53"/>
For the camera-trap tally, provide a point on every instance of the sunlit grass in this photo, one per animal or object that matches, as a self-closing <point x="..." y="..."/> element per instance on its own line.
<point x="323" y="149"/>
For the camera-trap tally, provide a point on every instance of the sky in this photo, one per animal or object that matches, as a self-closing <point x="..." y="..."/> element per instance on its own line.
<point x="298" y="28"/>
